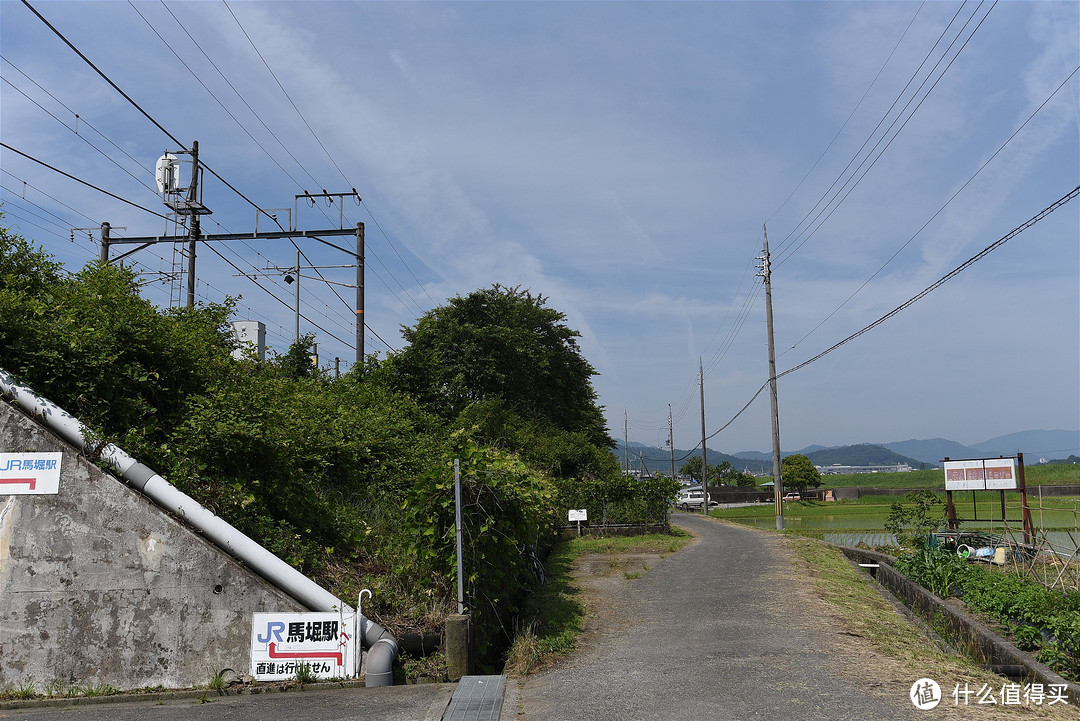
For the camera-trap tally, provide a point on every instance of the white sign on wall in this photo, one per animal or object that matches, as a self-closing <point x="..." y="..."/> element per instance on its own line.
<point x="30" y="473"/>
<point x="283" y="642"/>
<point x="990" y="474"/>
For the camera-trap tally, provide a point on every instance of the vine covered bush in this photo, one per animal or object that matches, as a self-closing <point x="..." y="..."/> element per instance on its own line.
<point x="348" y="479"/>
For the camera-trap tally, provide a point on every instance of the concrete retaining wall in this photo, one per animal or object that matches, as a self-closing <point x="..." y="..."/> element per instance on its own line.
<point x="989" y="647"/>
<point x="100" y="586"/>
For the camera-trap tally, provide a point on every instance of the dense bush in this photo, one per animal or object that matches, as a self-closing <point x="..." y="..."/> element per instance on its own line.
<point x="348" y="479"/>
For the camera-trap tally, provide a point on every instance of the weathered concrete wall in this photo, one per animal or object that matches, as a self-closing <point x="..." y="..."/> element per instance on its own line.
<point x="99" y="585"/>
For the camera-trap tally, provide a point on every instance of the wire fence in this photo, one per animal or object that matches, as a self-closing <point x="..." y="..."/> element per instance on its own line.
<point x="1050" y="553"/>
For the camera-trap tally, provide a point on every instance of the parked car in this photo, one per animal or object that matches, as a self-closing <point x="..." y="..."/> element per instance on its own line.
<point x="792" y="497"/>
<point x="692" y="498"/>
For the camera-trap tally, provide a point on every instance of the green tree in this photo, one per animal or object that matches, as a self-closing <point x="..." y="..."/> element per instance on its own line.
<point x="798" y="473"/>
<point x="501" y="343"/>
<point x="720" y="474"/>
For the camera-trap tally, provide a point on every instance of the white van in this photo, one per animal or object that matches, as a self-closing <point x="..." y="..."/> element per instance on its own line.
<point x="692" y="498"/>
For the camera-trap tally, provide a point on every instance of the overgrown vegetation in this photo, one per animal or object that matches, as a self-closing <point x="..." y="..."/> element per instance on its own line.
<point x="1038" y="619"/>
<point x="913" y="523"/>
<point x="348" y="479"/>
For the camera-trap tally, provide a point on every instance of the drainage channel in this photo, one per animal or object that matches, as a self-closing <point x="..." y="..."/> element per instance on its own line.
<point x="477" y="698"/>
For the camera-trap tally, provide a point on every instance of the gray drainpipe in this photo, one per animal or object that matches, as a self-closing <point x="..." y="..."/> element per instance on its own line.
<point x="378" y="640"/>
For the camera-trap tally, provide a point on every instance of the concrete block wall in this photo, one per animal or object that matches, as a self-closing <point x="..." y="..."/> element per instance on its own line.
<point x="98" y="585"/>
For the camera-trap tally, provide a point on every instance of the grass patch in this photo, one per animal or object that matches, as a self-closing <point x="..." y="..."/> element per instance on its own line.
<point x="554" y="613"/>
<point x="866" y="614"/>
<point x="1056" y="474"/>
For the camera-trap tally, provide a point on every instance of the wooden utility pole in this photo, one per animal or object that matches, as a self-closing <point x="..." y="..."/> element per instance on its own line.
<point x="671" y="441"/>
<point x="704" y="459"/>
<point x="778" y="483"/>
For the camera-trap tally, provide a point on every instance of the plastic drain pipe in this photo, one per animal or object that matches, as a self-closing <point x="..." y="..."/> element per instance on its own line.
<point x="380" y="642"/>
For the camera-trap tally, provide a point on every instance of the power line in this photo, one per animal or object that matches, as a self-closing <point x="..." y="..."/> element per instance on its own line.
<point x="894" y="136"/>
<point x="852" y="113"/>
<point x="85" y="140"/>
<point x="951" y="274"/>
<point x="80" y="180"/>
<point x="942" y="208"/>
<point x="784" y="250"/>
<point x="903" y="306"/>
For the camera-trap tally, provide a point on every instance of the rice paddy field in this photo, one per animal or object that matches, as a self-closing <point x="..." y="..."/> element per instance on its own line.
<point x="1057" y="519"/>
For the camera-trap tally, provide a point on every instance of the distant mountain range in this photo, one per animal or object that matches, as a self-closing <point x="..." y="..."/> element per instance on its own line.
<point x="1035" y="445"/>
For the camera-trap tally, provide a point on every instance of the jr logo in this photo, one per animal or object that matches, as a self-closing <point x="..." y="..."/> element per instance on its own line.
<point x="273" y="632"/>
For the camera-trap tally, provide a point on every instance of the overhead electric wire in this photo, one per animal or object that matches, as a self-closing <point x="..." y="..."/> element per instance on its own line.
<point x="207" y="89"/>
<point x="84" y="182"/>
<point x="78" y="118"/>
<point x="39" y="190"/>
<point x="346" y="343"/>
<point x="326" y="152"/>
<point x="156" y="124"/>
<point x="783" y="251"/>
<point x="939" y="210"/>
<point x="792" y="251"/>
<point x="83" y="138"/>
<point x="134" y="104"/>
<point x="941" y="281"/>
<point x="914" y="299"/>
<point x="852" y="113"/>
<point x="252" y="137"/>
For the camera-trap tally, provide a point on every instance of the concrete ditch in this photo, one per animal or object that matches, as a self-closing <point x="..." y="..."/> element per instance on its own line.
<point x="979" y="641"/>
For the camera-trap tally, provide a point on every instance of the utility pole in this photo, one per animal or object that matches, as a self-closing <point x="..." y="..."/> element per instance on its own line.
<point x="296" y="317"/>
<point x="704" y="460"/>
<point x="626" y="443"/>
<point x="173" y="197"/>
<point x="105" y="230"/>
<point x="778" y="484"/>
<point x="193" y="231"/>
<point x="360" y="294"/>
<point x="671" y="441"/>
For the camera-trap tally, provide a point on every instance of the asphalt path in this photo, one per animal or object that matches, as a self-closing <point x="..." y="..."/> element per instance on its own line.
<point x="727" y="628"/>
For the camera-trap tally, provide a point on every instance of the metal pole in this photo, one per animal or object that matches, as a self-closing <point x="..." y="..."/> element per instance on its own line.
<point x="778" y="483"/>
<point x="296" y="330"/>
<point x="360" y="294"/>
<point x="457" y="530"/>
<point x="193" y="231"/>
<point x="105" y="227"/>
<point x="626" y="443"/>
<point x="704" y="459"/>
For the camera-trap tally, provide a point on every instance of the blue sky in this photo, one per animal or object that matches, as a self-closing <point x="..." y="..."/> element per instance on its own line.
<point x="621" y="159"/>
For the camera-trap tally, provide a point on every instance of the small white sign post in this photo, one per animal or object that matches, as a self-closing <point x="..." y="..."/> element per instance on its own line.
<point x="578" y="515"/>
<point x="23" y="474"/>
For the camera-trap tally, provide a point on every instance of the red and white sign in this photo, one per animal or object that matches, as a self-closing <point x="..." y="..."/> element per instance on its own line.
<point x="30" y="473"/>
<point x="989" y="474"/>
<point x="281" y="643"/>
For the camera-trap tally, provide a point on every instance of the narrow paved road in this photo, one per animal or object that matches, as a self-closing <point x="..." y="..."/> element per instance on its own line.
<point x="724" y="629"/>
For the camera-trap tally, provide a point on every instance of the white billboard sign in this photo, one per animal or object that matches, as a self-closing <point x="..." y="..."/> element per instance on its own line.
<point x="283" y="642"/>
<point x="990" y="474"/>
<point x="581" y="514"/>
<point x="30" y="473"/>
